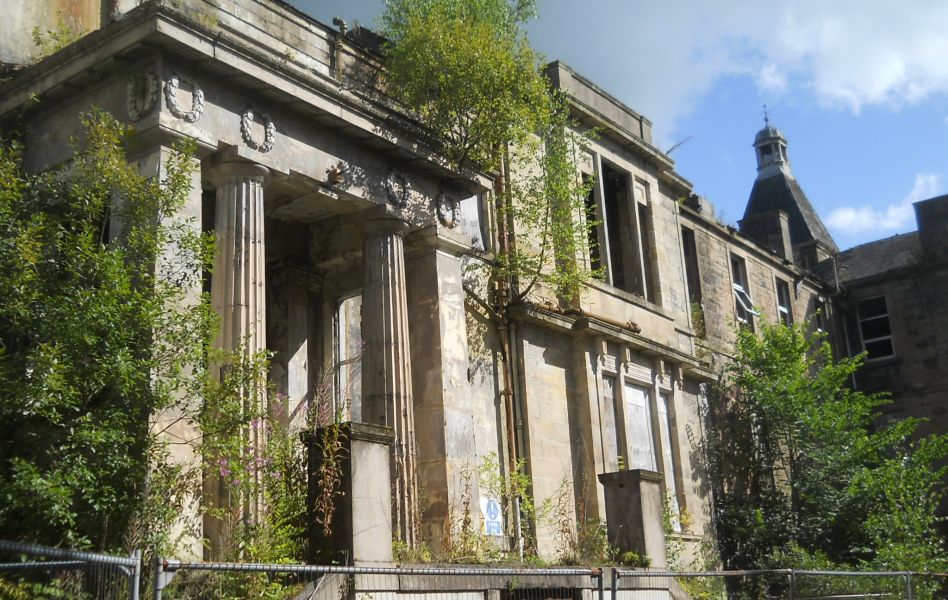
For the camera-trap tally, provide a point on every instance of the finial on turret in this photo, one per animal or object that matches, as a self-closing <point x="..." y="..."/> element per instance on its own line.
<point x="766" y="117"/>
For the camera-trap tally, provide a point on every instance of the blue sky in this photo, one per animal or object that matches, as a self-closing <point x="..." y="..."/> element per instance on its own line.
<point x="859" y="88"/>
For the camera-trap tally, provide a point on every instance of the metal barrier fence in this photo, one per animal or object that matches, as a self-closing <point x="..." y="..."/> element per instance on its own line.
<point x="33" y="571"/>
<point x="780" y="584"/>
<point x="191" y="581"/>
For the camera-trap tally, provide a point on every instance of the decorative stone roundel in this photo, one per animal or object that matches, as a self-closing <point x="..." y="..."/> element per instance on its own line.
<point x="269" y="131"/>
<point x="449" y="210"/>
<point x="398" y="197"/>
<point x="141" y="95"/>
<point x="171" y="100"/>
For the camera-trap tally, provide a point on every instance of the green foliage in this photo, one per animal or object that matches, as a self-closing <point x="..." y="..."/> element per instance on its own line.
<point x="51" y="41"/>
<point x="95" y="337"/>
<point x="802" y="465"/>
<point x="466" y="70"/>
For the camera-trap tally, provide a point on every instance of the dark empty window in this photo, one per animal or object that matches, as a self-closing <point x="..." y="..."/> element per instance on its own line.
<point x="874" y="328"/>
<point x="692" y="275"/>
<point x="595" y="258"/>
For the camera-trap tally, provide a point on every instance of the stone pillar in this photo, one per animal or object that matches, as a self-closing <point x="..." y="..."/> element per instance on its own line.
<point x="634" y="513"/>
<point x="238" y="290"/>
<point x="439" y="357"/>
<point x="176" y="423"/>
<point x="351" y="522"/>
<point x="386" y="361"/>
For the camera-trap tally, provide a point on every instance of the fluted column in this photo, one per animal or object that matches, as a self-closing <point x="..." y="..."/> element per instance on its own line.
<point x="238" y="294"/>
<point x="386" y="361"/>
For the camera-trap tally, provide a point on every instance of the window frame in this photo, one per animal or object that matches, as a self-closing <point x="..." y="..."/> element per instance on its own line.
<point x="889" y="337"/>
<point x="784" y="311"/>
<point x="743" y="303"/>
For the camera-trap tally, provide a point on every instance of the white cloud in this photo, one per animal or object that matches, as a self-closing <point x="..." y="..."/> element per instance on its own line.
<point x="662" y="57"/>
<point x="892" y="218"/>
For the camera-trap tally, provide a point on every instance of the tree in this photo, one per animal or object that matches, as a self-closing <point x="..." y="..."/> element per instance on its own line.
<point x="806" y="473"/>
<point x="97" y="337"/>
<point x="466" y="71"/>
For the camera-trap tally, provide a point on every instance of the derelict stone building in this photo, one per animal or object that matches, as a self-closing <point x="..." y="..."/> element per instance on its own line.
<point x="342" y="245"/>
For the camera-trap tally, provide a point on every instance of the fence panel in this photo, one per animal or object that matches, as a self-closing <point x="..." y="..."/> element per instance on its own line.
<point x="33" y="571"/>
<point x="700" y="585"/>
<point x="191" y="581"/>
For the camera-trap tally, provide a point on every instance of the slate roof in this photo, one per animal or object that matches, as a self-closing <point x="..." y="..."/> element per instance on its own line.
<point x="767" y="133"/>
<point x="879" y="257"/>
<point x="781" y="191"/>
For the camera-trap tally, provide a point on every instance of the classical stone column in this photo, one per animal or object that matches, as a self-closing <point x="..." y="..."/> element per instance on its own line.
<point x="238" y="291"/>
<point x="386" y="360"/>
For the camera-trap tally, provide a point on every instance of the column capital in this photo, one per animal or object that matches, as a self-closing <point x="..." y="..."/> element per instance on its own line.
<point x="220" y="170"/>
<point x="381" y="221"/>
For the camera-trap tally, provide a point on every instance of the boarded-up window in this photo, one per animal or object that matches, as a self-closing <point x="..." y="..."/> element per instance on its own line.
<point x="638" y="416"/>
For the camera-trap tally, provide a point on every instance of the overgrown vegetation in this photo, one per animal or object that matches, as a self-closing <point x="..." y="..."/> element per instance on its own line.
<point x="805" y="471"/>
<point x="468" y="73"/>
<point x="93" y="343"/>
<point x="109" y="413"/>
<point x="51" y="41"/>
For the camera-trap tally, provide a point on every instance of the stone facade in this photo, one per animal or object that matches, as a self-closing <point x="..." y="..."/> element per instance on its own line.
<point x="342" y="249"/>
<point x="892" y="297"/>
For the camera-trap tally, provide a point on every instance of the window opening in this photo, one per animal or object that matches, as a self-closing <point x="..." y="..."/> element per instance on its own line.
<point x="347" y="341"/>
<point x="670" y="468"/>
<point x="875" y="329"/>
<point x="614" y="191"/>
<point x="743" y="305"/>
<point x="819" y="314"/>
<point x="639" y="425"/>
<point x="647" y="251"/>
<point x="595" y="258"/>
<point x="692" y="275"/>
<point x="784" y="312"/>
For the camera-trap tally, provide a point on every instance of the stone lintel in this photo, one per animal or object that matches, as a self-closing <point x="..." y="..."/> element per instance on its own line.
<point x="588" y="325"/>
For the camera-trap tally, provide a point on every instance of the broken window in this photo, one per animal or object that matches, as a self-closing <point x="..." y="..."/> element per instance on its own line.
<point x="627" y="221"/>
<point x="692" y="274"/>
<point x="874" y="328"/>
<point x="819" y="314"/>
<point x="743" y="305"/>
<point x="784" y="311"/>
<point x="592" y="216"/>
<point x="645" y="241"/>
<point x="615" y="203"/>
<point x="670" y="466"/>
<point x="347" y="340"/>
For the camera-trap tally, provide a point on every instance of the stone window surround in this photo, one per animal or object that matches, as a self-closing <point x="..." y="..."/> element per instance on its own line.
<point x="651" y="288"/>
<point x="660" y="379"/>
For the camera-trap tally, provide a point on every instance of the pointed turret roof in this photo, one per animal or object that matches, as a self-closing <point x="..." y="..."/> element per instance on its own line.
<point x="777" y="189"/>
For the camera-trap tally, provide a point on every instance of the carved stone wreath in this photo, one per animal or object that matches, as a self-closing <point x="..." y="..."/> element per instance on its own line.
<point x="449" y="210"/>
<point x="141" y="95"/>
<point x="171" y="100"/>
<point x="395" y="196"/>
<point x="269" y="131"/>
